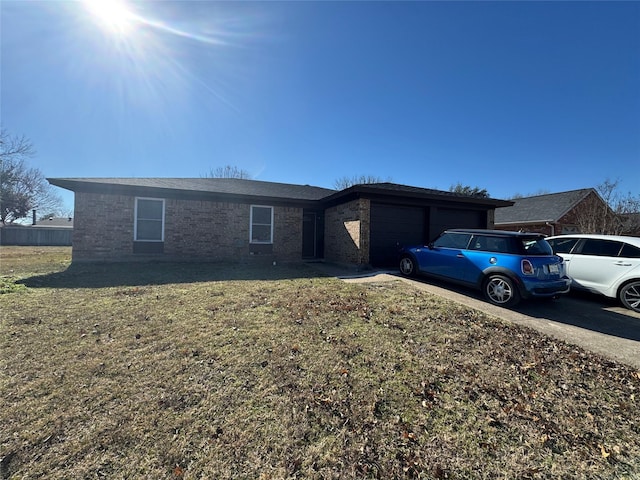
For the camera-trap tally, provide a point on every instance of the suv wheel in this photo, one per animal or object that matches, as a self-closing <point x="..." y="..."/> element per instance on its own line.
<point x="501" y="291"/>
<point x="630" y="295"/>
<point x="407" y="266"/>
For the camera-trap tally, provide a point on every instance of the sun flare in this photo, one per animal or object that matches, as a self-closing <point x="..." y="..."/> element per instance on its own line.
<point x="112" y="14"/>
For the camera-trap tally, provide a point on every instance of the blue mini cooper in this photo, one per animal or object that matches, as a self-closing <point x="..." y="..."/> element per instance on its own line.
<point x="505" y="266"/>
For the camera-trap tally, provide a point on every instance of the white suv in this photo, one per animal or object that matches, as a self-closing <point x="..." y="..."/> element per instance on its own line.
<point x="605" y="264"/>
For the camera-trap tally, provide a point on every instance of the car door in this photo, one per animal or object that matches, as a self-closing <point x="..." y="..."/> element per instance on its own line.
<point x="595" y="265"/>
<point x="446" y="258"/>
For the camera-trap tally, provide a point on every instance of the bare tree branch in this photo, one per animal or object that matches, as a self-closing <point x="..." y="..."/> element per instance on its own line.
<point x="346" y="182"/>
<point x="609" y="211"/>
<point x="228" y="171"/>
<point x="21" y="188"/>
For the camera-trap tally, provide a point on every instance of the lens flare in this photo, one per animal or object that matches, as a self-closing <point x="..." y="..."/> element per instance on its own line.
<point x="112" y="15"/>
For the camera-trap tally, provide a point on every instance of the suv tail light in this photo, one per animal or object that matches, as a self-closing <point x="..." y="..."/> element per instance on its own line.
<point x="527" y="268"/>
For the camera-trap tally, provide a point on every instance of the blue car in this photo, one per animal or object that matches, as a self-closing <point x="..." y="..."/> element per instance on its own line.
<point x="505" y="266"/>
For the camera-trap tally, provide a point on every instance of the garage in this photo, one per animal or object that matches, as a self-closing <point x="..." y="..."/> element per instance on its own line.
<point x="367" y="223"/>
<point x="443" y="218"/>
<point x="393" y="226"/>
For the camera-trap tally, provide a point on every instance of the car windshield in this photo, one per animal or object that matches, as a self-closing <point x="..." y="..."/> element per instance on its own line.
<point x="536" y="246"/>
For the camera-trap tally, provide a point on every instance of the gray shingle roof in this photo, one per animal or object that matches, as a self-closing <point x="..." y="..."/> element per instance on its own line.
<point x="55" y="222"/>
<point x="229" y="186"/>
<point x="395" y="189"/>
<point x="541" y="208"/>
<point x="233" y="187"/>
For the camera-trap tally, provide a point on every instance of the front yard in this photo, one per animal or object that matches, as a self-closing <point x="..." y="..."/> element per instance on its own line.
<point x="215" y="371"/>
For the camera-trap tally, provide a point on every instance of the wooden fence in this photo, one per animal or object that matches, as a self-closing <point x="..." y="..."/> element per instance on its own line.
<point x="35" y="236"/>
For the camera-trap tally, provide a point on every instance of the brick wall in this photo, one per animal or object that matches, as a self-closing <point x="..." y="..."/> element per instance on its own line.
<point x="103" y="227"/>
<point x="194" y="230"/>
<point x="346" y="232"/>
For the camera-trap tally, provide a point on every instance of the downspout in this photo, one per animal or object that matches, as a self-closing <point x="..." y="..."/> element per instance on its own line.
<point x="553" y="228"/>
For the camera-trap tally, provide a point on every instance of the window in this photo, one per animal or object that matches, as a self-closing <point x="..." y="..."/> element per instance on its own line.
<point x="453" y="240"/>
<point x="149" y="222"/>
<point x="536" y="246"/>
<point x="601" y="248"/>
<point x="563" y="245"/>
<point x="629" y="251"/>
<point x="261" y="224"/>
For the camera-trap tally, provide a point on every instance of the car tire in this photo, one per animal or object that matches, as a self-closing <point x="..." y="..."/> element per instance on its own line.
<point x="500" y="290"/>
<point x="408" y="266"/>
<point x="630" y="295"/>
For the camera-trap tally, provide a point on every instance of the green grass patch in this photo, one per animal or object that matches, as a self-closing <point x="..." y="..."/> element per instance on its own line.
<point x="225" y="371"/>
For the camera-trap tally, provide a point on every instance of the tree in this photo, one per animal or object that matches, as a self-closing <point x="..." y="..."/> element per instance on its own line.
<point x="228" y="171"/>
<point x="22" y="189"/>
<point x="541" y="191"/>
<point x="609" y="211"/>
<point x="469" y="191"/>
<point x="346" y="182"/>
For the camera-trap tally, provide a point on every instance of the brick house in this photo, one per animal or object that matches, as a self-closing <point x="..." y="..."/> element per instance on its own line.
<point x="550" y="214"/>
<point x="205" y="219"/>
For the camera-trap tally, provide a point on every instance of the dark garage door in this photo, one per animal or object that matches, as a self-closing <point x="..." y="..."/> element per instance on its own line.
<point x="393" y="225"/>
<point x="444" y="218"/>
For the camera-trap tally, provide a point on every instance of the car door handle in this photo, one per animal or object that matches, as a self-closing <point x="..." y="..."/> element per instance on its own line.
<point x="460" y="255"/>
<point x="620" y="264"/>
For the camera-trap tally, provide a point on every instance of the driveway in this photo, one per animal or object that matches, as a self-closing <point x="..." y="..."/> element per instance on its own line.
<point x="591" y="322"/>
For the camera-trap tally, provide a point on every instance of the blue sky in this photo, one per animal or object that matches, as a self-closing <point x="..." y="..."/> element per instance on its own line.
<point x="514" y="97"/>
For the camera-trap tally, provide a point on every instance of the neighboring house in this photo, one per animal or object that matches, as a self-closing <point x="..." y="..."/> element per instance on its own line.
<point x="550" y="214"/>
<point x="52" y="231"/>
<point x="55" y="222"/>
<point x="631" y="222"/>
<point x="214" y="219"/>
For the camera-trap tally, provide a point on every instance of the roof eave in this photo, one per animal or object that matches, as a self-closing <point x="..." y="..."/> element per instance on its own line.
<point x="160" y="192"/>
<point x="357" y="191"/>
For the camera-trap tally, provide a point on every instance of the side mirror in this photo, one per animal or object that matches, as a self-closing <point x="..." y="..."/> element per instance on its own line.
<point x="430" y="245"/>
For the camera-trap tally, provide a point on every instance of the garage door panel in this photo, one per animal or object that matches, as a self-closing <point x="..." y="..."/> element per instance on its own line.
<point x="391" y="226"/>
<point x="445" y="218"/>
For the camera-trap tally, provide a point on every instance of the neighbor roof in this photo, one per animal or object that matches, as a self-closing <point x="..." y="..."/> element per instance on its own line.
<point x="541" y="208"/>
<point x="55" y="222"/>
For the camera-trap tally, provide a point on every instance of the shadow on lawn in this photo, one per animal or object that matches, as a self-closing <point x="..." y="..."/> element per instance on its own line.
<point x="139" y="274"/>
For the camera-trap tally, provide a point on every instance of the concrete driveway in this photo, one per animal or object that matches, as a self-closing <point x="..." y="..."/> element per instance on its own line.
<point x="591" y="322"/>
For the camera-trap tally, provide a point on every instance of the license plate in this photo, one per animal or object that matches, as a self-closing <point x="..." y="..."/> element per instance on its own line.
<point x="554" y="268"/>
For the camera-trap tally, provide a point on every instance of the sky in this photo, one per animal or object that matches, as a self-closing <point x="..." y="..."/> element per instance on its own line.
<point x="518" y="98"/>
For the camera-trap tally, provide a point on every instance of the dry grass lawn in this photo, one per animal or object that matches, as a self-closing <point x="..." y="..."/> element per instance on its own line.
<point x="218" y="371"/>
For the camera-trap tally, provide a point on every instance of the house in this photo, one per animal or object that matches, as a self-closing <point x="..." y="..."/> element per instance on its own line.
<point x="55" y="222"/>
<point x="554" y="213"/>
<point x="218" y="219"/>
<point x="51" y="231"/>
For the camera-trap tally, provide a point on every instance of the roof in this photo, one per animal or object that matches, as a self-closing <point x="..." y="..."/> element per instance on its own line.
<point x="386" y="189"/>
<point x="541" y="208"/>
<point x="55" y="222"/>
<point x="218" y="186"/>
<point x="620" y="238"/>
<point x="233" y="188"/>
<point x="501" y="233"/>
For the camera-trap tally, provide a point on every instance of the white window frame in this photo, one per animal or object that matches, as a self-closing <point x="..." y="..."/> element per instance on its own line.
<point x="135" y="220"/>
<point x="263" y="224"/>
